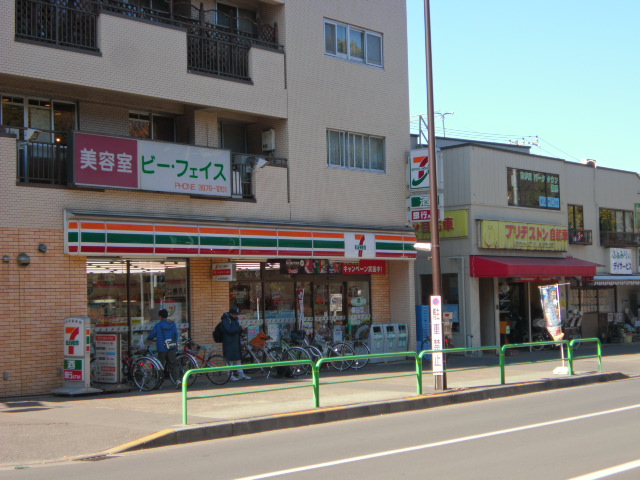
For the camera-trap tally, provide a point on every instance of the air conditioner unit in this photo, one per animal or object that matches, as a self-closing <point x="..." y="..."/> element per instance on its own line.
<point x="268" y="140"/>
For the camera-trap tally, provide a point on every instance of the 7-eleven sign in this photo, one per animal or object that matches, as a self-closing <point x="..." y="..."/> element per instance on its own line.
<point x="75" y="337"/>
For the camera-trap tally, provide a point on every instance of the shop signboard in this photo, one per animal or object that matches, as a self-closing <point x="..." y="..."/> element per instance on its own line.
<point x="113" y="162"/>
<point x="453" y="224"/>
<point x="76" y="372"/>
<point x="437" y="334"/>
<point x="108" y="357"/>
<point x="224" y="272"/>
<point x="419" y="169"/>
<point x="620" y="261"/>
<point x="498" y="234"/>
<point x="550" y="298"/>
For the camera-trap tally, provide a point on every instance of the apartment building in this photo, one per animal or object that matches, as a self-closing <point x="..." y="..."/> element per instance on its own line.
<point x="514" y="222"/>
<point x="196" y="155"/>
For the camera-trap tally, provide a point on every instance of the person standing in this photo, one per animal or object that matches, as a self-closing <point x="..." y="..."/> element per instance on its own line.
<point x="231" y="347"/>
<point x="165" y="332"/>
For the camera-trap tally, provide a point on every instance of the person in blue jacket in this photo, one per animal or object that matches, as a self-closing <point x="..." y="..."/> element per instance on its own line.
<point x="165" y="333"/>
<point x="231" y="348"/>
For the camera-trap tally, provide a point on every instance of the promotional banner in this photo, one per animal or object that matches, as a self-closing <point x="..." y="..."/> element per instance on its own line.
<point x="550" y="298"/>
<point x="499" y="234"/>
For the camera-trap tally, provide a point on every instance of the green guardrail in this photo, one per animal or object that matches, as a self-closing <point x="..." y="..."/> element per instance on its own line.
<point x="418" y="358"/>
<point x="570" y="353"/>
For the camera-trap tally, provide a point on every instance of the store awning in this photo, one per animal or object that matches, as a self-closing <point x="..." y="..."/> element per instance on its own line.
<point x="487" y="266"/>
<point x="616" y="280"/>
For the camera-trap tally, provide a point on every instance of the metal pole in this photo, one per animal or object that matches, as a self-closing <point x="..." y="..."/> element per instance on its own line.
<point x="440" y="380"/>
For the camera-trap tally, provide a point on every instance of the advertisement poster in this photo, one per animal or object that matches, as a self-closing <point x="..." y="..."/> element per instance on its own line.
<point x="550" y="298"/>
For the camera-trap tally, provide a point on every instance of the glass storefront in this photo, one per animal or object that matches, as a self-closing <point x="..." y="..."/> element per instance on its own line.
<point x="279" y="302"/>
<point x="124" y="296"/>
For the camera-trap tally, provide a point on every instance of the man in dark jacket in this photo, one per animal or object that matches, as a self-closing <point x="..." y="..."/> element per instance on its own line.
<point x="166" y="334"/>
<point x="231" y="348"/>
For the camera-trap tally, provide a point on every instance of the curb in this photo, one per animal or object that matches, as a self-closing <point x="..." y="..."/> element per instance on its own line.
<point x="189" y="434"/>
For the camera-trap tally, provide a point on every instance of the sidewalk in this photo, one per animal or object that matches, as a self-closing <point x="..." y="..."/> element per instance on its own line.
<point x="35" y="430"/>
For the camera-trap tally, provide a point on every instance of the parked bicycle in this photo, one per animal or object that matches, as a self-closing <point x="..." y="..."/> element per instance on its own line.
<point x="212" y="359"/>
<point x="138" y="369"/>
<point x="322" y="341"/>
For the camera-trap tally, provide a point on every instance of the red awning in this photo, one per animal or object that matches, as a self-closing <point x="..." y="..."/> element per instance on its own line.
<point x="485" y="266"/>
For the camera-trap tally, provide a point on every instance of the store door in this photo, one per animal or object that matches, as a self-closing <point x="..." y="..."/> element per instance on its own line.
<point x="329" y="308"/>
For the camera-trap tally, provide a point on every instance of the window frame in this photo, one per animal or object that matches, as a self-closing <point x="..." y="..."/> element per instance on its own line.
<point x="626" y="216"/>
<point x="350" y="31"/>
<point x="347" y="151"/>
<point x="519" y="191"/>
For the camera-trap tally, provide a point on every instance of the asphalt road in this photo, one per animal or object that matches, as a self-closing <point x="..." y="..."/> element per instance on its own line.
<point x="558" y="434"/>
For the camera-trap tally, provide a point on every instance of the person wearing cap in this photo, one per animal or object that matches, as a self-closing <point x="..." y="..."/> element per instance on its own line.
<point x="231" y="347"/>
<point x="165" y="332"/>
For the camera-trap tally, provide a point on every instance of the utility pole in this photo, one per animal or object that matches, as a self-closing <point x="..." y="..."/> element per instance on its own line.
<point x="441" y="377"/>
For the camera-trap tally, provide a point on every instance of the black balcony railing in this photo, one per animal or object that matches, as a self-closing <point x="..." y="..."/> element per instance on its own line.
<point x="42" y="163"/>
<point x="619" y="239"/>
<point x="578" y="236"/>
<point x="66" y="23"/>
<point x="217" y="43"/>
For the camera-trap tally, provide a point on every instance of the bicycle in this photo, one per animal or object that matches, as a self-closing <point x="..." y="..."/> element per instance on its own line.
<point x="334" y="349"/>
<point x="253" y="353"/>
<point x="185" y="362"/>
<point x="138" y="369"/>
<point x="211" y="360"/>
<point x="293" y="352"/>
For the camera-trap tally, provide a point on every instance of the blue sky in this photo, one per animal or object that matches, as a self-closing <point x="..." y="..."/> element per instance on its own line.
<point x="566" y="71"/>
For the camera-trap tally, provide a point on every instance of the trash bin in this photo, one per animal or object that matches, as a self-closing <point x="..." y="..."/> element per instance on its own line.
<point x="403" y="337"/>
<point x="376" y="342"/>
<point x="390" y="338"/>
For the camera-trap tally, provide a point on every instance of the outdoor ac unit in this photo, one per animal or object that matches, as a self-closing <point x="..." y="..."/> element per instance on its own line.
<point x="268" y="140"/>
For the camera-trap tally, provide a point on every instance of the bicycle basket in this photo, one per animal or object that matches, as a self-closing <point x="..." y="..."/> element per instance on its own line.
<point x="298" y="335"/>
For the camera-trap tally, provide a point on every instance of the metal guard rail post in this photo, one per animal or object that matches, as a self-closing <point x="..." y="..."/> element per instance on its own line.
<point x="225" y="368"/>
<point x="570" y="353"/>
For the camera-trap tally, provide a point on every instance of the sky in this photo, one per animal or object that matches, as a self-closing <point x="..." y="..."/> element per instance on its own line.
<point x="563" y="74"/>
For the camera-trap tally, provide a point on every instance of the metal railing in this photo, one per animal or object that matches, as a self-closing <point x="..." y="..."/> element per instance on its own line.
<point x="619" y="239"/>
<point x="570" y="353"/>
<point x="579" y="236"/>
<point x="418" y="373"/>
<point x="217" y="43"/>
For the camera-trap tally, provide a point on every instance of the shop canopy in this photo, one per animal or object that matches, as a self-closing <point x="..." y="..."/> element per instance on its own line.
<point x="616" y="280"/>
<point x="487" y="266"/>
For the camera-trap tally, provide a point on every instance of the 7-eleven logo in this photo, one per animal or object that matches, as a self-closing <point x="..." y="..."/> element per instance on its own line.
<point x="71" y="341"/>
<point x="420" y="172"/>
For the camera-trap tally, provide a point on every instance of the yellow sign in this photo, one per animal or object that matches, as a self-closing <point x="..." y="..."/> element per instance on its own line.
<point x="498" y="234"/>
<point x="454" y="225"/>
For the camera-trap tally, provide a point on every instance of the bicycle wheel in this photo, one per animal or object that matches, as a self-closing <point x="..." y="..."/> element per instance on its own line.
<point x="185" y="362"/>
<point x="146" y="374"/>
<point x="576" y="345"/>
<point x="314" y="352"/>
<point x="341" y="350"/>
<point x="538" y="337"/>
<point x="248" y="358"/>
<point x="217" y="378"/>
<point x="298" y="353"/>
<point x="360" y="348"/>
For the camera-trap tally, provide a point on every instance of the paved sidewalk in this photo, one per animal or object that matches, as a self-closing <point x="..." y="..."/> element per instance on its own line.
<point x="36" y="430"/>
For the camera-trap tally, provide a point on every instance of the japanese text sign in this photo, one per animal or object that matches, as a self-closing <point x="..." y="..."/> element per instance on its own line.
<point x="620" y="261"/>
<point x="153" y="166"/>
<point x="523" y="236"/>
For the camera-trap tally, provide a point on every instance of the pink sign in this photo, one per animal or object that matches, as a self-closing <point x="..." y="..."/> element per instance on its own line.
<point x="105" y="161"/>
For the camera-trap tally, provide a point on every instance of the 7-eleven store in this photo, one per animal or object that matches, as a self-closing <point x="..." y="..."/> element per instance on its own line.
<point x="281" y="276"/>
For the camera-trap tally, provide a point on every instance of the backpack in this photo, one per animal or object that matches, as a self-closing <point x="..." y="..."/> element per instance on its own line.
<point x="217" y="333"/>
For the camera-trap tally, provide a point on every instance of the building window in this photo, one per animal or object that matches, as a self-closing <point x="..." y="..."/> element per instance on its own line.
<point x="526" y="188"/>
<point x="355" y="151"/>
<point x="236" y="20"/>
<point x="352" y="43"/>
<point x="619" y="221"/>
<point x="153" y="127"/>
<point x="576" y="217"/>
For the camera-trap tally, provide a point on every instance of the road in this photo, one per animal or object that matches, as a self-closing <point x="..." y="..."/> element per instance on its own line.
<point x="558" y="434"/>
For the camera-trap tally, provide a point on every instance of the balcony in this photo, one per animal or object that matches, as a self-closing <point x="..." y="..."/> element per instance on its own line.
<point x="578" y="236"/>
<point x="43" y="162"/>
<point x="619" y="239"/>
<point x="212" y="48"/>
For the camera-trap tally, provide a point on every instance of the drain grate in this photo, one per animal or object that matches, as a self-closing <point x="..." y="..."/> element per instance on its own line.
<point x="95" y="458"/>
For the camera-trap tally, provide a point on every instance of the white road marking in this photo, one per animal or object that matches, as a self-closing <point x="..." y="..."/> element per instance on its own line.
<point x="609" y="471"/>
<point x="440" y="444"/>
